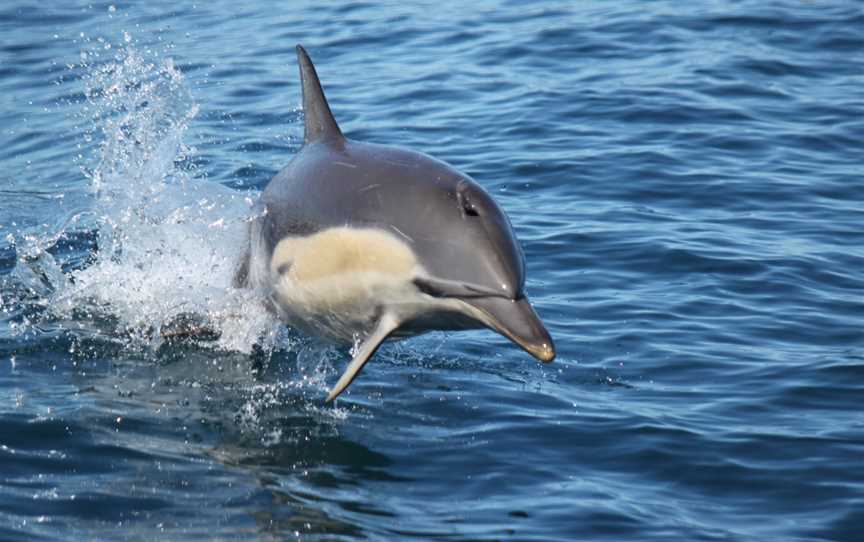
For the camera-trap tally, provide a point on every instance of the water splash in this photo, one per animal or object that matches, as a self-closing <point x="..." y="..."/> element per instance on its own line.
<point x="167" y="238"/>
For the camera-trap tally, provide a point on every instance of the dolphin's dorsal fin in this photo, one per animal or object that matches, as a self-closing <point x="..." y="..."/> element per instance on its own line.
<point x="320" y="124"/>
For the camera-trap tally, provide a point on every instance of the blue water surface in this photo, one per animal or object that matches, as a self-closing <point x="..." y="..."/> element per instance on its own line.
<point x="686" y="180"/>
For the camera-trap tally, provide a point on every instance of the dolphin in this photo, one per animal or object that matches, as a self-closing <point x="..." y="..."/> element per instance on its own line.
<point x="361" y="243"/>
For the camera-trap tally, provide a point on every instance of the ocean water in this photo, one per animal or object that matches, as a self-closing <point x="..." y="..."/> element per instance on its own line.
<point x="687" y="182"/>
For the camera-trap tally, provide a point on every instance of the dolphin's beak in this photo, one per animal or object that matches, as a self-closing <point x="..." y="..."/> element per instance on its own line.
<point x="516" y="320"/>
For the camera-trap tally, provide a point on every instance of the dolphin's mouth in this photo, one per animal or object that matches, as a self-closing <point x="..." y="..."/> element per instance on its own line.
<point x="511" y="316"/>
<point x="452" y="288"/>
<point x="516" y="320"/>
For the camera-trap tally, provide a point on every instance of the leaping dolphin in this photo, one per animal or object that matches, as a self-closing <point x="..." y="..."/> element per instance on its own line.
<point x="361" y="243"/>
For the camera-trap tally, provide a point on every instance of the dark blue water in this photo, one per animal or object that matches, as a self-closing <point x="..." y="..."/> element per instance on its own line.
<point x="686" y="180"/>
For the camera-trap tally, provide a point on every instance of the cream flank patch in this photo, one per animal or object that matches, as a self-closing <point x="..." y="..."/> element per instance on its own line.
<point x="335" y="281"/>
<point x="338" y="251"/>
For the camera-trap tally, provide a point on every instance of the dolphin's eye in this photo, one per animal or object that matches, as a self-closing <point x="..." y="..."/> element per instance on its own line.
<point x="470" y="210"/>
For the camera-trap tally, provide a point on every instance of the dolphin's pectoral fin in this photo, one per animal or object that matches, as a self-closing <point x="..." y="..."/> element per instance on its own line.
<point x="386" y="325"/>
